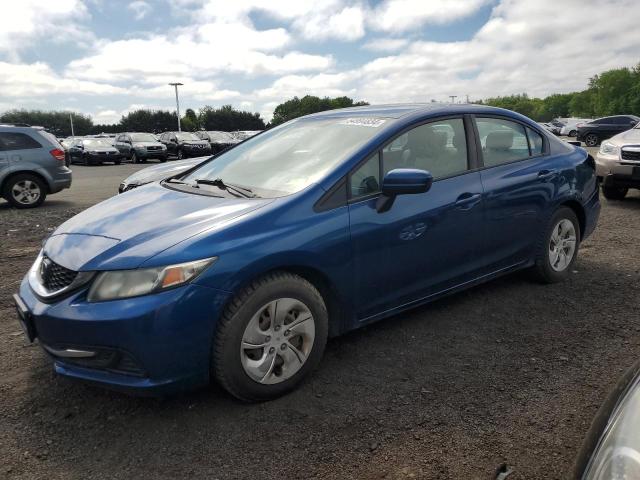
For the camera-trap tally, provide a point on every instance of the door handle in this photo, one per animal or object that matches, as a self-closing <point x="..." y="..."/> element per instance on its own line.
<point x="546" y="174"/>
<point x="467" y="201"/>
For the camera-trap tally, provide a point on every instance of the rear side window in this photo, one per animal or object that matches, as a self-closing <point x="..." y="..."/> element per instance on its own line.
<point x="502" y="141"/>
<point x="535" y="142"/>
<point x="17" y="141"/>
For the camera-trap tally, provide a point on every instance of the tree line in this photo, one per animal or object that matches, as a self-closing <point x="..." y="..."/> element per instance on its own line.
<point x="612" y="92"/>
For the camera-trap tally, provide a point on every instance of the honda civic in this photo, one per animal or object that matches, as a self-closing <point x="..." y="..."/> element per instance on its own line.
<point x="239" y="269"/>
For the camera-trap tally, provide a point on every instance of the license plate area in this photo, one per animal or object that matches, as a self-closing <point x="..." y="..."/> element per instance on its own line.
<point x="25" y="318"/>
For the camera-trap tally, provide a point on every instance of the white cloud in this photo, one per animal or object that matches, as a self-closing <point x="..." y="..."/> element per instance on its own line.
<point x="38" y="79"/>
<point x="140" y="9"/>
<point x="25" y="22"/>
<point x="401" y="15"/>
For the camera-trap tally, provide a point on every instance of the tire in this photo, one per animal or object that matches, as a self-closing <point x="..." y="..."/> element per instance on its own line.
<point x="591" y="140"/>
<point x="15" y="191"/>
<point x="117" y="162"/>
<point x="573" y="133"/>
<point x="134" y="158"/>
<point x="180" y="155"/>
<point x="86" y="162"/>
<point x="543" y="270"/>
<point x="248" y="315"/>
<point x="163" y="159"/>
<point x="614" y="193"/>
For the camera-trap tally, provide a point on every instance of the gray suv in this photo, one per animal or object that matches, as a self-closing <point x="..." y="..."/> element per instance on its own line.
<point x="32" y="165"/>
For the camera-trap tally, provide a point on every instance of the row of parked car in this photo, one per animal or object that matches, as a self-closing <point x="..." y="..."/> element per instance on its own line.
<point x="591" y="132"/>
<point x="138" y="147"/>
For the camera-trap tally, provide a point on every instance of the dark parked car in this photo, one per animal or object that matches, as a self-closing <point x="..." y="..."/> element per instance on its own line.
<point x="140" y="147"/>
<point x="94" y="151"/>
<point x="240" y="269"/>
<point x="219" y="140"/>
<point x="185" y="144"/>
<point x="32" y="165"/>
<point x="594" y="132"/>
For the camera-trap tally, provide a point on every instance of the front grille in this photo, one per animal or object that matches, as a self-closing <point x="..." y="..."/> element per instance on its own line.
<point x="55" y="277"/>
<point x="630" y="155"/>
<point x="154" y="148"/>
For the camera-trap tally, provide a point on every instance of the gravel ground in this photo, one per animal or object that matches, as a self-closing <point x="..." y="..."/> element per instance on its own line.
<point x="508" y="372"/>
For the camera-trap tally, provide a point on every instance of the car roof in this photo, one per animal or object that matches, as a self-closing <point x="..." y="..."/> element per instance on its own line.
<point x="406" y="109"/>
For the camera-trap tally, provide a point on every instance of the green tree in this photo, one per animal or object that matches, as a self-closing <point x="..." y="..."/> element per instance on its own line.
<point x="297" y="107"/>
<point x="56" y="122"/>
<point x="228" y="119"/>
<point x="153" y="121"/>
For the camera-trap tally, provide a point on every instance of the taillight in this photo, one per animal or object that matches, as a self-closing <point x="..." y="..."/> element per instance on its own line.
<point x="57" y="154"/>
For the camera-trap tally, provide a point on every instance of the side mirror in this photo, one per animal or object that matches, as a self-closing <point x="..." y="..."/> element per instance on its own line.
<point x="402" y="181"/>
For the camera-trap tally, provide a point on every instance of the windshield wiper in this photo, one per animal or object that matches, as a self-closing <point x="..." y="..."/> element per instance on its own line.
<point x="230" y="187"/>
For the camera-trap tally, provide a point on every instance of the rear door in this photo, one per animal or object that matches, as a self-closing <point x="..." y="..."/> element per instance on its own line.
<point x="518" y="178"/>
<point x="425" y="243"/>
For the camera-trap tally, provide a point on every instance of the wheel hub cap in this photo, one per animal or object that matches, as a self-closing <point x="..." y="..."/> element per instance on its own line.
<point x="26" y="192"/>
<point x="277" y="341"/>
<point x="562" y="245"/>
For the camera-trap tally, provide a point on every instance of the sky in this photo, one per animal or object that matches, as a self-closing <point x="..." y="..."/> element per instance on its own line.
<point x="105" y="58"/>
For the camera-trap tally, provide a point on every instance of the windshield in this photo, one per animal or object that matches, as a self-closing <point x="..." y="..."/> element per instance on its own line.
<point x="142" y="137"/>
<point x="187" y="137"/>
<point x="97" y="142"/>
<point x="290" y="157"/>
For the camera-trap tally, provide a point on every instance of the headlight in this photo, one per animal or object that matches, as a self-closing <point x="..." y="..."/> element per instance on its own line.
<point x="617" y="454"/>
<point x="608" y="148"/>
<point x="133" y="283"/>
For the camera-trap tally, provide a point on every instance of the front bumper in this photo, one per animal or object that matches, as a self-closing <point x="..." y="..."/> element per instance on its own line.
<point x="152" y="344"/>
<point x="615" y="172"/>
<point x="145" y="154"/>
<point x="189" y="152"/>
<point x="98" y="158"/>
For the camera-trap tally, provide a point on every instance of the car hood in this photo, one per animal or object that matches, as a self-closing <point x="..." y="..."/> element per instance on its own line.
<point x="124" y="231"/>
<point x="146" y="144"/>
<point x="162" y="171"/>
<point x="630" y="137"/>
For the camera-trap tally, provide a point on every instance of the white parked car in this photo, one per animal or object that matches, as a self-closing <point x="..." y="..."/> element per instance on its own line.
<point x="570" y="128"/>
<point x="618" y="164"/>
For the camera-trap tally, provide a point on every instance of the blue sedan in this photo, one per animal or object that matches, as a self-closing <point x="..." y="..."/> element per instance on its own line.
<point x="240" y="268"/>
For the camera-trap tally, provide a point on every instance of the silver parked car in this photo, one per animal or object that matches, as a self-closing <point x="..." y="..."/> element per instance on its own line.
<point x="32" y="165"/>
<point x="618" y="164"/>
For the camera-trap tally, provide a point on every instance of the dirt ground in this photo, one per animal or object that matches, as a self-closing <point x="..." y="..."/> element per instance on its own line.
<point x="509" y="372"/>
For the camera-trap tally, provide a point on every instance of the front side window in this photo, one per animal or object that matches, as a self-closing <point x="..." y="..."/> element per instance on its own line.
<point x="17" y="141"/>
<point x="438" y="147"/>
<point x="292" y="156"/>
<point x="502" y="141"/>
<point x="365" y="179"/>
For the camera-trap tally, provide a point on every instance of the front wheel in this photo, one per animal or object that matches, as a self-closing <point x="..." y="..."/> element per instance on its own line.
<point x="134" y="158"/>
<point x="557" y="250"/>
<point x="573" y="133"/>
<point x="270" y="336"/>
<point x="614" y="193"/>
<point x="180" y="155"/>
<point x="591" y="140"/>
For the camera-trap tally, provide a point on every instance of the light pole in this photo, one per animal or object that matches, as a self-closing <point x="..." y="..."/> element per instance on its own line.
<point x="175" y="85"/>
<point x="453" y="98"/>
<point x="71" y="120"/>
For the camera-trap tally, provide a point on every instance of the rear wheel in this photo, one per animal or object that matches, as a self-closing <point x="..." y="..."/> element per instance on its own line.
<point x="270" y="336"/>
<point x="24" y="191"/>
<point x="614" y="193"/>
<point x="557" y="248"/>
<point x="573" y="133"/>
<point x="591" y="140"/>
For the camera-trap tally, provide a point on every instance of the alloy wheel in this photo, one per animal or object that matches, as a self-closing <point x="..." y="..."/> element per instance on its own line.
<point x="26" y="192"/>
<point x="562" y="245"/>
<point x="591" y="140"/>
<point x="277" y="341"/>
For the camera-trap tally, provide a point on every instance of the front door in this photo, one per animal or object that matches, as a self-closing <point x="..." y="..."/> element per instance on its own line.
<point x="425" y="243"/>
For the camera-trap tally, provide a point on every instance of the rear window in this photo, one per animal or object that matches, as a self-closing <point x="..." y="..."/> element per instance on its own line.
<point x="17" y="141"/>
